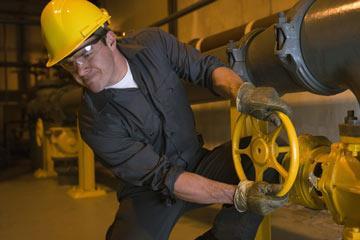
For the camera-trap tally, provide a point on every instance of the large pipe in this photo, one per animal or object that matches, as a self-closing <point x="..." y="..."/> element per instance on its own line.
<point x="313" y="47"/>
<point x="330" y="43"/>
<point x="56" y="105"/>
<point x="234" y="34"/>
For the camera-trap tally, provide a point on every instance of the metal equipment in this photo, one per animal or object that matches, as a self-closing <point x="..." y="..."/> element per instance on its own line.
<point x="263" y="149"/>
<point x="312" y="47"/>
<point x="327" y="174"/>
<point x="62" y="143"/>
<point x="56" y="143"/>
<point x="329" y="177"/>
<point x="55" y="111"/>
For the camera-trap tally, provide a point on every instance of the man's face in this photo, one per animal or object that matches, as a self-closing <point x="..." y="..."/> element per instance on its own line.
<point x="92" y="64"/>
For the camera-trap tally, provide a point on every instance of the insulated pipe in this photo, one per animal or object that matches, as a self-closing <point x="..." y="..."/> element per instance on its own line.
<point x="234" y="34"/>
<point x="307" y="49"/>
<point x="314" y="47"/>
<point x="56" y="105"/>
<point x="330" y="43"/>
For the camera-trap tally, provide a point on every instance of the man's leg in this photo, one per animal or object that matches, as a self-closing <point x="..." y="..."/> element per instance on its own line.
<point x="229" y="223"/>
<point x="143" y="216"/>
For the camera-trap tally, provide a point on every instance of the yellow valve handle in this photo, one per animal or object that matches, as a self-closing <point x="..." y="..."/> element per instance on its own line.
<point x="263" y="149"/>
<point x="39" y="132"/>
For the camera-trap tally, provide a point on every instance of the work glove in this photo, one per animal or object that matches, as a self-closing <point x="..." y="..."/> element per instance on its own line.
<point x="261" y="103"/>
<point x="258" y="197"/>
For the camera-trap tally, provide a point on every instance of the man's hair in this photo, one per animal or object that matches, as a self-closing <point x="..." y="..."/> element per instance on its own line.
<point x="101" y="32"/>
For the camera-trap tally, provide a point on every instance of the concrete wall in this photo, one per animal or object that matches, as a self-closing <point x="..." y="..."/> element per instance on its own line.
<point x="132" y="15"/>
<point x="321" y="115"/>
<point x="225" y="14"/>
<point x="212" y="121"/>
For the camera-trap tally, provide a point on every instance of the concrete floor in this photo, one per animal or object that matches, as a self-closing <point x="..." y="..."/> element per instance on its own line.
<point x="40" y="209"/>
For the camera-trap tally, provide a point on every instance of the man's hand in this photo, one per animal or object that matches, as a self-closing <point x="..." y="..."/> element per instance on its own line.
<point x="261" y="103"/>
<point x="258" y="197"/>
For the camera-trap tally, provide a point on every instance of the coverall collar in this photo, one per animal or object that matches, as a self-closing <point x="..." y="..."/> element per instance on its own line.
<point x="129" y="50"/>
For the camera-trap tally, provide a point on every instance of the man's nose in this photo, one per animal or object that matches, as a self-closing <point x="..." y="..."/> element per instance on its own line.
<point x="81" y="67"/>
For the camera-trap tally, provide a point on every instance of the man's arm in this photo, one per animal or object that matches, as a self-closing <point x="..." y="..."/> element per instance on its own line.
<point x="259" y="102"/>
<point x="226" y="82"/>
<point x="192" y="187"/>
<point x="258" y="197"/>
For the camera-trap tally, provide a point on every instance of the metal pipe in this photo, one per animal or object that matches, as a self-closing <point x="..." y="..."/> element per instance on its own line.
<point x="57" y="105"/>
<point x="330" y="43"/>
<point x="173" y="25"/>
<point x="234" y="34"/>
<point x="187" y="10"/>
<point x="313" y="46"/>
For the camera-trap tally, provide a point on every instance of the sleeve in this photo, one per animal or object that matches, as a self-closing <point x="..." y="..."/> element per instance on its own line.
<point x="133" y="161"/>
<point x="187" y="62"/>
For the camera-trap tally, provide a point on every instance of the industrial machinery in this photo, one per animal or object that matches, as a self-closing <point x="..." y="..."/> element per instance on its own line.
<point x="55" y="111"/>
<point x="52" y="121"/>
<point x="56" y="143"/>
<point x="55" y="102"/>
<point x="312" y="47"/>
<point x="316" y="173"/>
<point x="264" y="150"/>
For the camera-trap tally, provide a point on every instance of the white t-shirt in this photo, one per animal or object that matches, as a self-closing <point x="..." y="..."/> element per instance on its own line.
<point x="127" y="81"/>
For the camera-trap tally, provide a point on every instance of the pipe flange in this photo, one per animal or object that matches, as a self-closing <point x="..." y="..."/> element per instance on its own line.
<point x="237" y="55"/>
<point x="288" y="50"/>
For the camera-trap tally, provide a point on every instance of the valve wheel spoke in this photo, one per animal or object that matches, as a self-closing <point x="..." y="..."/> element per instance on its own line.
<point x="284" y="149"/>
<point x="259" y="172"/>
<point x="278" y="167"/>
<point x="245" y="151"/>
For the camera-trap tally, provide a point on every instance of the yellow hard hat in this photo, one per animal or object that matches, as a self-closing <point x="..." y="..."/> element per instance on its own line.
<point x="66" y="24"/>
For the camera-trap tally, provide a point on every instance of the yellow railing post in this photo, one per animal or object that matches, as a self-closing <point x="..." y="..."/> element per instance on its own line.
<point x="87" y="187"/>
<point x="264" y="230"/>
<point x="43" y="141"/>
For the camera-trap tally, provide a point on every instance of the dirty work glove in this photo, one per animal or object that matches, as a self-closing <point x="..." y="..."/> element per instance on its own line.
<point x="261" y="102"/>
<point x="258" y="197"/>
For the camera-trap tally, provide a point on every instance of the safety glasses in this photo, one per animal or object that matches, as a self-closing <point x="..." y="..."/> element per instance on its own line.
<point x="80" y="56"/>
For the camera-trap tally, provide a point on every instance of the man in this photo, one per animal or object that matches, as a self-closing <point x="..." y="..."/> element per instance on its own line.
<point x="136" y="117"/>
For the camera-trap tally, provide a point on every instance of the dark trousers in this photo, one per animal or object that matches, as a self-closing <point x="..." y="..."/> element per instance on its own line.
<point x="143" y="215"/>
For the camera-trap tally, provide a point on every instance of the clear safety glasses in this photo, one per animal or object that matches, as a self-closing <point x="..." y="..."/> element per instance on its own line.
<point x="80" y="56"/>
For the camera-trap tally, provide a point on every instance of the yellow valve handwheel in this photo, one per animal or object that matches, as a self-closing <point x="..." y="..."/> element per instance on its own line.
<point x="263" y="149"/>
<point x="39" y="132"/>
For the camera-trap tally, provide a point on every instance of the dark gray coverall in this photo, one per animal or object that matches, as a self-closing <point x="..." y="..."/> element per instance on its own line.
<point x="147" y="137"/>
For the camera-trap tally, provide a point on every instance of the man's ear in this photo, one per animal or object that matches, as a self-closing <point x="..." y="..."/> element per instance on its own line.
<point x="111" y="39"/>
